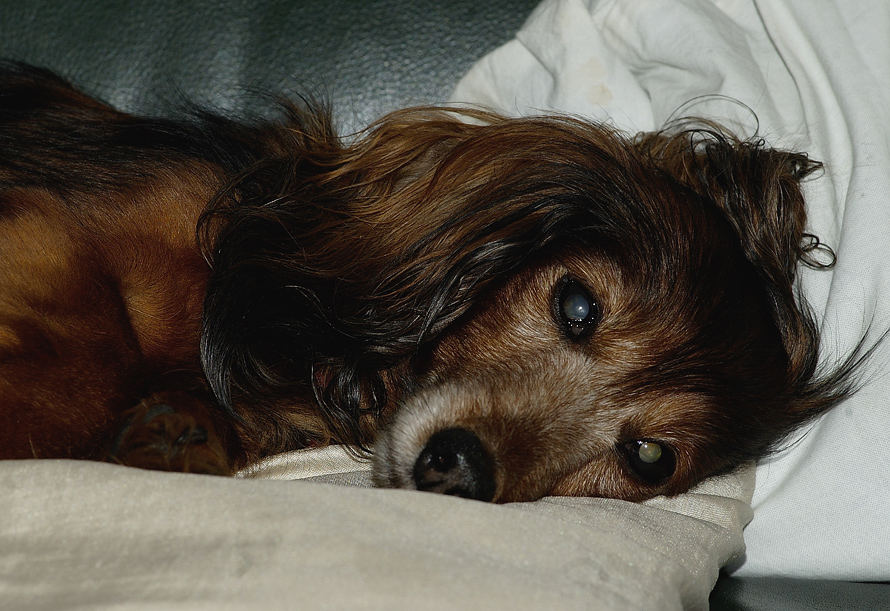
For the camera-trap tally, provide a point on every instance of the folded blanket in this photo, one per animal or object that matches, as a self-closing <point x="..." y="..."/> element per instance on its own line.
<point x="94" y="536"/>
<point x="810" y="76"/>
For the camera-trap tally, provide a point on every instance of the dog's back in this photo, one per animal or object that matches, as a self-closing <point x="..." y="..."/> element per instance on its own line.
<point x="101" y="281"/>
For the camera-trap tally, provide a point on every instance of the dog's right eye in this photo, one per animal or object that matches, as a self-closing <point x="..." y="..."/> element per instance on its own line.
<point x="574" y="308"/>
<point x="651" y="461"/>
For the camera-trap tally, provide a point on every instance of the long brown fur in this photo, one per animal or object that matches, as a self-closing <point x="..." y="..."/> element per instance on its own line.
<point x="198" y="293"/>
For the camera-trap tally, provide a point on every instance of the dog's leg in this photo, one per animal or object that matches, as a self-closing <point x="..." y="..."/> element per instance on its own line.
<point x="173" y="431"/>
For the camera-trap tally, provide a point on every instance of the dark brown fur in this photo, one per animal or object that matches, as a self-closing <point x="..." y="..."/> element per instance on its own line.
<point x="197" y="294"/>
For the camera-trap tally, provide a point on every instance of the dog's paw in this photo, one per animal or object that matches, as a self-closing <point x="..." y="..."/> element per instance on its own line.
<point x="156" y="435"/>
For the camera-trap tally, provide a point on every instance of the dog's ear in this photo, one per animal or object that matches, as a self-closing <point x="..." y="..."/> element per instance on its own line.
<point x="757" y="188"/>
<point x="758" y="191"/>
<point x="316" y="285"/>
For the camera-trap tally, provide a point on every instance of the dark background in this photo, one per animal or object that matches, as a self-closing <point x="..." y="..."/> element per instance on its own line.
<point x="365" y="56"/>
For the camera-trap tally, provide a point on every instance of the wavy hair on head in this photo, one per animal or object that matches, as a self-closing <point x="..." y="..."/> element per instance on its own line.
<point x="758" y="189"/>
<point x="339" y="260"/>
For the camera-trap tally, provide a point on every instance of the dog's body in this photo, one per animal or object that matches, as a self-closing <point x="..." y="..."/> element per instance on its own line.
<point x="534" y="306"/>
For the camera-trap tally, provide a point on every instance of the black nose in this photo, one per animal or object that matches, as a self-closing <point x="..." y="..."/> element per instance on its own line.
<point x="455" y="462"/>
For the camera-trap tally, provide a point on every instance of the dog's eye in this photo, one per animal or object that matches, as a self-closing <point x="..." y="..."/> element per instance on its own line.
<point x="651" y="461"/>
<point x="575" y="309"/>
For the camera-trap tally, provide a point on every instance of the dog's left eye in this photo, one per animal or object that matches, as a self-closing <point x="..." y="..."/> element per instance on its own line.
<point x="575" y="309"/>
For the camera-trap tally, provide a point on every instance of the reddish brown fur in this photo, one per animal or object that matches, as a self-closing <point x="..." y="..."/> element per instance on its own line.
<point x="408" y="277"/>
<point x="89" y="300"/>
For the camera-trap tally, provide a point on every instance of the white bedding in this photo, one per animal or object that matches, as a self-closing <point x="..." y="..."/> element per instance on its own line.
<point x="817" y="75"/>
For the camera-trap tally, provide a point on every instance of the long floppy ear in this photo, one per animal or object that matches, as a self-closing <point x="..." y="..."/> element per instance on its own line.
<point x="245" y="234"/>
<point x="758" y="190"/>
<point x="327" y="267"/>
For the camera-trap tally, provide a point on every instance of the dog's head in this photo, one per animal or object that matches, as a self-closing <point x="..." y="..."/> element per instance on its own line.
<point x="547" y="306"/>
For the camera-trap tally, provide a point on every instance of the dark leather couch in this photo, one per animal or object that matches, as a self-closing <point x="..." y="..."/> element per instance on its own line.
<point x="366" y="56"/>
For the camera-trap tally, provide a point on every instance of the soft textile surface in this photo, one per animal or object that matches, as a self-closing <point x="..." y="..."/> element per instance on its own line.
<point x="93" y="536"/>
<point x="817" y="75"/>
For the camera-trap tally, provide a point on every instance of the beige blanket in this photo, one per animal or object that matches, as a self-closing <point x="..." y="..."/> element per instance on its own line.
<point x="96" y="536"/>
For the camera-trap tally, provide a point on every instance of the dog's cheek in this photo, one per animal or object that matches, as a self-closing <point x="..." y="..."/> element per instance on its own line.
<point x="603" y="477"/>
<point x="608" y="476"/>
<point x="511" y="324"/>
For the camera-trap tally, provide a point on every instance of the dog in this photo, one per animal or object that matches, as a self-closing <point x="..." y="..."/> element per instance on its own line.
<point x="495" y="308"/>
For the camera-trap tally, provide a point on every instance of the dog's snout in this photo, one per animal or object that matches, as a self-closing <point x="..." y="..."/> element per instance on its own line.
<point x="455" y="462"/>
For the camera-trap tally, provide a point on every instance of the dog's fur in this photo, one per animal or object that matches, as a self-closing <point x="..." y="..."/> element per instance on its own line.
<point x="196" y="294"/>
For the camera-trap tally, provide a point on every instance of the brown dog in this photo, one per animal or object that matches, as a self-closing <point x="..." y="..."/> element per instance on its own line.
<point x="535" y="306"/>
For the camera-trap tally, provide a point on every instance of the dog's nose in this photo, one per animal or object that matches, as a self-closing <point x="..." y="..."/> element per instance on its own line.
<point x="455" y="462"/>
